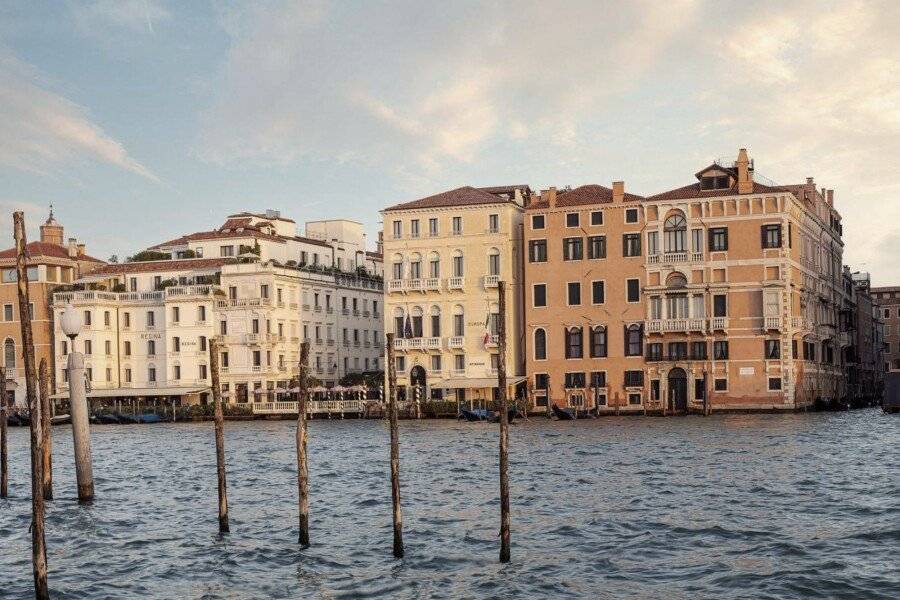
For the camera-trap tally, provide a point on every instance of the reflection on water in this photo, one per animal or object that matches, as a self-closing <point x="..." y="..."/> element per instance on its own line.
<point x="762" y="506"/>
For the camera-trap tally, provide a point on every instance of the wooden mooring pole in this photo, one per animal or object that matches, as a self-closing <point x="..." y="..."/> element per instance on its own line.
<point x="38" y="547"/>
<point x="504" y="428"/>
<point x="4" y="457"/>
<point x="47" y="444"/>
<point x="302" y="463"/>
<point x="395" y="447"/>
<point x="219" y="418"/>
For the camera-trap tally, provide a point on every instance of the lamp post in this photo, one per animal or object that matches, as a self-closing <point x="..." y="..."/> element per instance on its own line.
<point x="70" y="322"/>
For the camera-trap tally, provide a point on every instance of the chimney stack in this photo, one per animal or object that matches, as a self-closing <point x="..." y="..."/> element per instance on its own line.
<point x="618" y="192"/>
<point x="830" y="196"/>
<point x="73" y="248"/>
<point x="744" y="174"/>
<point x="809" y="181"/>
<point x="80" y="249"/>
<point x="550" y="195"/>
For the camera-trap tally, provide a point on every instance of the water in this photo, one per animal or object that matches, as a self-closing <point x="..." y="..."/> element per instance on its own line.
<point x="743" y="506"/>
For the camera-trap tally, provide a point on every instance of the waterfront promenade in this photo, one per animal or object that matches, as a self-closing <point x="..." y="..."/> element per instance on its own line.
<point x="730" y="506"/>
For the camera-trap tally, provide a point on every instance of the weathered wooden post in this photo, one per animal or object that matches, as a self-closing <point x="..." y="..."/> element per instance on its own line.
<point x="302" y="463"/>
<point x="38" y="547"/>
<point x="4" y="457"/>
<point x="219" y="419"/>
<point x="395" y="447"/>
<point x="504" y="428"/>
<point x="47" y="444"/>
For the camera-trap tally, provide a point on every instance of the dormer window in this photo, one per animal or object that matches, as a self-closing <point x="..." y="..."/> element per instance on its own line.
<point x="718" y="182"/>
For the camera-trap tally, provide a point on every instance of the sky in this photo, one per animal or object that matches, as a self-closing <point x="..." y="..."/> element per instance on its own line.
<point x="141" y="120"/>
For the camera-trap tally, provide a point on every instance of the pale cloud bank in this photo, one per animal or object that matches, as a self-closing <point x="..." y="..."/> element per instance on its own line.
<point x="42" y="131"/>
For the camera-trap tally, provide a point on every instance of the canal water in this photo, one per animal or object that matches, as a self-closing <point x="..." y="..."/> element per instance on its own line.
<point x="741" y="506"/>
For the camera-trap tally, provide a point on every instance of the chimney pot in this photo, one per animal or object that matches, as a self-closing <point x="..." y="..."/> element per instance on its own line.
<point x="73" y="248"/>
<point x="809" y="180"/>
<point x="81" y="249"/>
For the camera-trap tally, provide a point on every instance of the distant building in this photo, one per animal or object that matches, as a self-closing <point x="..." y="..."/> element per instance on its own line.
<point x="864" y="357"/>
<point x="51" y="262"/>
<point x="445" y="255"/>
<point x="887" y="299"/>
<point x="256" y="286"/>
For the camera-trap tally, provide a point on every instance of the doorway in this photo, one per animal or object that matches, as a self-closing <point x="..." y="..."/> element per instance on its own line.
<point x="677" y="390"/>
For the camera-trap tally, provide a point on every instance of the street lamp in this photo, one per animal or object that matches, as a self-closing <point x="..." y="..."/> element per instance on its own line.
<point x="70" y="322"/>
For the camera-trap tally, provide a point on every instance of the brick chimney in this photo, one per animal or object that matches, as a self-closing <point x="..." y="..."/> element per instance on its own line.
<point x="618" y="190"/>
<point x="80" y="248"/>
<point x="744" y="174"/>
<point x="830" y="197"/>
<point x="550" y="197"/>
<point x="73" y="248"/>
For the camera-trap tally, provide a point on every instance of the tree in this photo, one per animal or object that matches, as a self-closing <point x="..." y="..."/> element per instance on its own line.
<point x="146" y="255"/>
<point x="113" y="259"/>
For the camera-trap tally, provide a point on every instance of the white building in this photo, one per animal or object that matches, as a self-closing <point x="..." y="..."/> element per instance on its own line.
<point x="148" y="323"/>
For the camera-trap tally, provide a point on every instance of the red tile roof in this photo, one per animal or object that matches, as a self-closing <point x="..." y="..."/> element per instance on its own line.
<point x="150" y="266"/>
<point x="694" y="191"/>
<point x="583" y="196"/>
<point x="507" y="189"/>
<point x="464" y="196"/>
<point x="217" y="235"/>
<point x="35" y="250"/>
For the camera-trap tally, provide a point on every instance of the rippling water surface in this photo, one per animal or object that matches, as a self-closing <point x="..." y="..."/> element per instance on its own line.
<point x="744" y="506"/>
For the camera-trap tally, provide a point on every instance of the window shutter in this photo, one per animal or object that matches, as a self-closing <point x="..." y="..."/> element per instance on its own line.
<point x="626" y="340"/>
<point x="762" y="236"/>
<point x="709" y="240"/>
<point x="726" y="238"/>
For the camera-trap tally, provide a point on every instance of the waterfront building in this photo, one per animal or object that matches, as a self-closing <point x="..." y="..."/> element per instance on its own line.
<point x="887" y="300"/>
<point x="445" y="255"/>
<point x="728" y="286"/>
<point x="265" y="290"/>
<point x="51" y="262"/>
<point x="864" y="357"/>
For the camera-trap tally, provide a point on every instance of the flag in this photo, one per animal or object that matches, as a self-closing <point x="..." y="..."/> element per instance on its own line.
<point x="487" y="328"/>
<point x="407" y="327"/>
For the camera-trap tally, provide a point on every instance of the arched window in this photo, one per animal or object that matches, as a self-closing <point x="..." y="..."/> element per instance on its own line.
<point x="676" y="280"/>
<point x="634" y="340"/>
<point x="574" y="343"/>
<point x="435" y="321"/>
<point x="415" y="266"/>
<point x="494" y="262"/>
<point x="417" y="321"/>
<point x="434" y="265"/>
<point x="458" y="267"/>
<point x="675" y="229"/>
<point x="598" y="342"/>
<point x="540" y="344"/>
<point x="398" y="321"/>
<point x="397" y="272"/>
<point x="459" y="321"/>
<point x="9" y="353"/>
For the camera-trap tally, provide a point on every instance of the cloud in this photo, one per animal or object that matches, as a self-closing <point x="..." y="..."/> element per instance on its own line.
<point x="133" y="15"/>
<point x="41" y="130"/>
<point x="431" y="89"/>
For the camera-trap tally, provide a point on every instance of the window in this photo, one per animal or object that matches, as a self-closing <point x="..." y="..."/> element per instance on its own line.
<point x="151" y="319"/>
<point x="652" y="243"/>
<point x="537" y="251"/>
<point x="493" y="223"/>
<point x="88" y="347"/>
<point x="107" y="347"/>
<point x="8" y="312"/>
<point x="655" y="307"/>
<point x="678" y="351"/>
<point x="597" y="246"/>
<point x="631" y="244"/>
<point x="718" y="239"/>
<point x="574" y="380"/>
<point x="494" y="262"/>
<point x="414" y="228"/>
<point x="720" y="350"/>
<point x="573" y="293"/>
<point x="598" y="379"/>
<point x="223" y="327"/>
<point x="537" y="221"/>
<point x="654" y="390"/>
<point x="675" y="230"/>
<point x="634" y="340"/>
<point x="127" y="348"/>
<point x="397" y="229"/>
<point x="699" y="389"/>
<point x="720" y="384"/>
<point x="774" y="384"/>
<point x="176" y="372"/>
<point x="151" y="374"/>
<point x="597" y="217"/>
<point x="106" y="318"/>
<point x="572" y="248"/>
<point x="202" y="340"/>
<point x="201" y="314"/>
<point x="654" y="351"/>
<point x="226" y="250"/>
<point x="697" y="240"/>
<point x="459" y="362"/>
<point x="633" y="290"/>
<point x="720" y="305"/>
<point x="598" y="292"/>
<point x="634" y="379"/>
<point x="151" y="348"/>
<point x="436" y="363"/>
<point x="771" y="236"/>
<point x="176" y="313"/>
<point x="458" y="265"/>
<point x="458" y="325"/>
<point x="773" y="349"/>
<point x="598" y="342"/>
<point x="698" y="350"/>
<point x="87" y="318"/>
<point x="456" y="225"/>
<point x="176" y="344"/>
<point x="574" y="344"/>
<point x="540" y="344"/>
<point x="634" y="398"/>
<point x="202" y="371"/>
<point x="64" y="348"/>
<point x="540" y="295"/>
<point x="714" y="183"/>
<point x="571" y="219"/>
<point x="432" y="227"/>
<point x="631" y="215"/>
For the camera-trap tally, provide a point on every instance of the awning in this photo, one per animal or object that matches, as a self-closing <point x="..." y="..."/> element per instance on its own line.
<point x="475" y="382"/>
<point x="93" y="278"/>
<point x="137" y="392"/>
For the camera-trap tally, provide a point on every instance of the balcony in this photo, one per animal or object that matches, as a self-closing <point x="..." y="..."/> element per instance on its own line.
<point x="456" y="283"/>
<point x="458" y="372"/>
<point x="670" y="258"/>
<point x="456" y="342"/>
<point x="414" y="285"/>
<point x="432" y="343"/>
<point x="394" y="285"/>
<point x="772" y="323"/>
<point x="718" y="323"/>
<point x="491" y="341"/>
<point x="243" y="302"/>
<point x="433" y="284"/>
<point x="799" y="323"/>
<point x="675" y="325"/>
<point x="490" y="281"/>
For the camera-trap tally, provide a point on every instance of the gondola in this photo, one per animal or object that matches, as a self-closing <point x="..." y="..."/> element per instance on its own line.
<point x="510" y="415"/>
<point x="149" y="418"/>
<point x="60" y="420"/>
<point x="106" y="419"/>
<point x="475" y="414"/>
<point x="563" y="414"/>
<point x="123" y="418"/>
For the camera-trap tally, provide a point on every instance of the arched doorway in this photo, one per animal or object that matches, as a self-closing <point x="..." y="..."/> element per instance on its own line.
<point x="417" y="376"/>
<point x="677" y="390"/>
